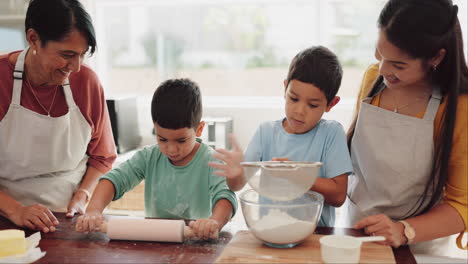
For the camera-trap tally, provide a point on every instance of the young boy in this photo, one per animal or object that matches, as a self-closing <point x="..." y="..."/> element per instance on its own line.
<point x="179" y="184"/>
<point x="310" y="90"/>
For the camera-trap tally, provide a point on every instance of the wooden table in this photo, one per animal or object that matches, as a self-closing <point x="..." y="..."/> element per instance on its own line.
<point x="67" y="246"/>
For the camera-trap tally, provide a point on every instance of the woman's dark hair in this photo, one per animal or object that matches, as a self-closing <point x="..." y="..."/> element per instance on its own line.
<point x="53" y="20"/>
<point x="421" y="28"/>
<point x="318" y="66"/>
<point x="177" y="103"/>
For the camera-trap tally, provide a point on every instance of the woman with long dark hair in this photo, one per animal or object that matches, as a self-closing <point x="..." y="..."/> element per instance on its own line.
<point x="409" y="139"/>
<point x="55" y="135"/>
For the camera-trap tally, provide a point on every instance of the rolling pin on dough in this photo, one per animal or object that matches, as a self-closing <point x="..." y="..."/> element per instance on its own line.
<point x="160" y="230"/>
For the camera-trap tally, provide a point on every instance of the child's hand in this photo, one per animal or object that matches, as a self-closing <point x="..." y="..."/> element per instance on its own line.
<point x="204" y="228"/>
<point x="231" y="169"/>
<point x="280" y="159"/>
<point x="89" y="222"/>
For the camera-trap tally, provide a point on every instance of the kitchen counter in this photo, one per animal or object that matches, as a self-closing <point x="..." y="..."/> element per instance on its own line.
<point x="67" y="246"/>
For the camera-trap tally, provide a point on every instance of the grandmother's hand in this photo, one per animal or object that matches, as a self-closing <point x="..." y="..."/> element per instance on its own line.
<point x="36" y="217"/>
<point x="382" y="225"/>
<point x="77" y="204"/>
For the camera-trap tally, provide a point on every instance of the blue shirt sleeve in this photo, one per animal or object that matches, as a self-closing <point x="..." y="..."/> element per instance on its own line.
<point x="254" y="149"/>
<point x="336" y="157"/>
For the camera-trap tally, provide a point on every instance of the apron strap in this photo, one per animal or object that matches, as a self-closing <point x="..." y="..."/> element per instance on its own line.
<point x="18" y="74"/>
<point x="378" y="90"/>
<point x="459" y="242"/>
<point x="433" y="106"/>
<point x="68" y="94"/>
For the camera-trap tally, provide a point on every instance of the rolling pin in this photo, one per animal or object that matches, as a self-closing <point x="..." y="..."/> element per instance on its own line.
<point x="160" y="230"/>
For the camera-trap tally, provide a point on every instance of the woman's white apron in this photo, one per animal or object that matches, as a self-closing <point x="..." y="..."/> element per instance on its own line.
<point x="392" y="156"/>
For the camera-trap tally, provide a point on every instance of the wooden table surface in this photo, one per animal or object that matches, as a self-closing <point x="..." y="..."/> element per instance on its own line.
<point x="67" y="246"/>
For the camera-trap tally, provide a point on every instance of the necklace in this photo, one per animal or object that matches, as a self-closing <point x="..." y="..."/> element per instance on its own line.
<point x="397" y="108"/>
<point x="37" y="99"/>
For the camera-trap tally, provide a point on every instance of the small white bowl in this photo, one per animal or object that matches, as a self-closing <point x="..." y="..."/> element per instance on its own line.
<point x="343" y="249"/>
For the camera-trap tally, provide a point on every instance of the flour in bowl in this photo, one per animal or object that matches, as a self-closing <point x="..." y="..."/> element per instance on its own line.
<point x="278" y="227"/>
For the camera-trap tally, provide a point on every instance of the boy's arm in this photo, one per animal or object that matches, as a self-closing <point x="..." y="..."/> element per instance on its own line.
<point x="333" y="190"/>
<point x="92" y="220"/>
<point x="102" y="196"/>
<point x="337" y="165"/>
<point x="222" y="212"/>
<point x="219" y="190"/>
<point x="236" y="184"/>
<point x="224" y="205"/>
<point x="112" y="186"/>
<point x="205" y="228"/>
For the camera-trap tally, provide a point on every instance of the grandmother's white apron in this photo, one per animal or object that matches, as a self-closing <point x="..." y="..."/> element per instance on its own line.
<point x="42" y="158"/>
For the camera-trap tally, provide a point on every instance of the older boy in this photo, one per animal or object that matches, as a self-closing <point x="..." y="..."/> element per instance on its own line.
<point x="178" y="181"/>
<point x="311" y="86"/>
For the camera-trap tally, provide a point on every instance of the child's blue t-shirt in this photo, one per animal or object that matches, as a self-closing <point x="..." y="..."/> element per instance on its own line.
<point x="325" y="143"/>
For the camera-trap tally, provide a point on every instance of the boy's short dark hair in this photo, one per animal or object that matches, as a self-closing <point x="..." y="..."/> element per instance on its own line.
<point x="318" y="66"/>
<point x="177" y="103"/>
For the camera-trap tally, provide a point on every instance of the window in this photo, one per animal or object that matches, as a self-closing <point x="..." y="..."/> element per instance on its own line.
<point x="12" y="25"/>
<point x="238" y="51"/>
<point x="231" y="48"/>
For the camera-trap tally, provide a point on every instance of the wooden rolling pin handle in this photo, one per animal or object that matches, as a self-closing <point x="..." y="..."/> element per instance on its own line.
<point x="188" y="233"/>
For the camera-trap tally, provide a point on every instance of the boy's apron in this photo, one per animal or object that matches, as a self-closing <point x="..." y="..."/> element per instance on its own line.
<point x="392" y="156"/>
<point x="42" y="158"/>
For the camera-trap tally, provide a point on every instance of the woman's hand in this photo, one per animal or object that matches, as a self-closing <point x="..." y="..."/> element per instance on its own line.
<point x="36" y="217"/>
<point x="77" y="204"/>
<point x="382" y="225"/>
<point x="90" y="222"/>
<point x="204" y="228"/>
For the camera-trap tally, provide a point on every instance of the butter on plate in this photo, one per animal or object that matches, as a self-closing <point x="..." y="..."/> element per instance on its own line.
<point x="12" y="242"/>
<point x="15" y="248"/>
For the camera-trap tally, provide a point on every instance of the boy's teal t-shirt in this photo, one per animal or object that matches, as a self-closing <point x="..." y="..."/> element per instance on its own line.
<point x="185" y="192"/>
<point x="325" y="143"/>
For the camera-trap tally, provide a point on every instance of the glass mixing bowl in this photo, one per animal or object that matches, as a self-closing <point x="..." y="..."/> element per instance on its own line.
<point x="281" y="180"/>
<point x="281" y="224"/>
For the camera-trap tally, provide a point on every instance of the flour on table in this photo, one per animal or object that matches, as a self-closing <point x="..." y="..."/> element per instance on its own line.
<point x="278" y="227"/>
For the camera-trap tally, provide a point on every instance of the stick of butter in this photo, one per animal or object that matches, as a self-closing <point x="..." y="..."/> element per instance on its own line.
<point x="12" y="241"/>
